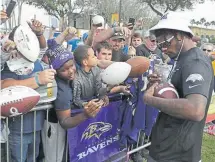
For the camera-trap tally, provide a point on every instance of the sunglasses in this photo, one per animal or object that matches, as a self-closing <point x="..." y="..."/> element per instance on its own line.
<point x="207" y="50"/>
<point x="165" y="43"/>
<point x="153" y="41"/>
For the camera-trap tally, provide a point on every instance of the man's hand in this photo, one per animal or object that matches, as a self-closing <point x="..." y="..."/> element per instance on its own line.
<point x="3" y="17"/>
<point x="149" y="92"/>
<point x="130" y="26"/>
<point x="69" y="33"/>
<point x="125" y="90"/>
<point x="92" y="108"/>
<point x="46" y="76"/>
<point x="124" y="30"/>
<point x="37" y="27"/>
<point x="8" y="46"/>
<point x="105" y="101"/>
<point x="15" y="54"/>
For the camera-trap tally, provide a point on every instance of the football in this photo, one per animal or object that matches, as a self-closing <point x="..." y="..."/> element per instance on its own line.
<point x="139" y="65"/>
<point x="166" y="90"/>
<point x="116" y="73"/>
<point x="17" y="100"/>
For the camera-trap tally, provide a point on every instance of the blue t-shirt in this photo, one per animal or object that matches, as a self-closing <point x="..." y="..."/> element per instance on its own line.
<point x="28" y="119"/>
<point x="125" y="49"/>
<point x="64" y="95"/>
<point x="74" y="43"/>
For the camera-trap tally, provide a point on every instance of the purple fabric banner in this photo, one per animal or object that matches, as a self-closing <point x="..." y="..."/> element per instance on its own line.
<point x="96" y="139"/>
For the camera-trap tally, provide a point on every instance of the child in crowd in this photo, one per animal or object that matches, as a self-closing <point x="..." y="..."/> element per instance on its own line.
<point x="88" y="83"/>
<point x="62" y="61"/>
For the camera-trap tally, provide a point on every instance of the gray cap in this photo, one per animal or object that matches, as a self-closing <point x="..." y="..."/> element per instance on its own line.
<point x="149" y="35"/>
<point x="118" y="36"/>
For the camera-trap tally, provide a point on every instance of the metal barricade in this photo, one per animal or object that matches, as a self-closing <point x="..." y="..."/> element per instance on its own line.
<point x="43" y="107"/>
<point x="142" y="142"/>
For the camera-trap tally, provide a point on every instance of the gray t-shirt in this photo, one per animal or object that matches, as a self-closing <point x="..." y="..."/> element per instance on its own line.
<point x="87" y="85"/>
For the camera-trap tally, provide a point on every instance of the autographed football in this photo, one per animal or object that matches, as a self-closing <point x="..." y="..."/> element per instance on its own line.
<point x="17" y="100"/>
<point x="116" y="73"/>
<point x="139" y="65"/>
<point x="166" y="90"/>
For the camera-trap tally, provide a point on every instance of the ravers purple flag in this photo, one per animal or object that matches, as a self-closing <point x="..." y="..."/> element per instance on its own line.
<point x="97" y="138"/>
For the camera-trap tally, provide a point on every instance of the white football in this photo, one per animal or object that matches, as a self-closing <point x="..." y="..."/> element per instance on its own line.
<point x="17" y="100"/>
<point x="27" y="42"/>
<point x="116" y="73"/>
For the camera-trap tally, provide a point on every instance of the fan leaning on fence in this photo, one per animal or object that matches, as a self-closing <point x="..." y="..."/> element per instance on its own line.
<point x="14" y="73"/>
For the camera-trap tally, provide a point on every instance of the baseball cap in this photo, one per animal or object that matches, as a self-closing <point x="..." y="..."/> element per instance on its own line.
<point x="174" y="21"/>
<point x="96" y="20"/>
<point x="118" y="36"/>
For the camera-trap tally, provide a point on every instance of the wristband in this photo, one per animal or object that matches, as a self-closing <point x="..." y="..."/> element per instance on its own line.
<point x="37" y="80"/>
<point x="66" y="32"/>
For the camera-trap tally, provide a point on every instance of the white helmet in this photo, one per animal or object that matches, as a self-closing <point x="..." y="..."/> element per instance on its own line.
<point x="98" y="20"/>
<point x="116" y="73"/>
<point x="27" y="43"/>
<point x="173" y="20"/>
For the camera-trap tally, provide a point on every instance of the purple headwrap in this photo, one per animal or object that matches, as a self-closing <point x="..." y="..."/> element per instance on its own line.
<point x="57" y="54"/>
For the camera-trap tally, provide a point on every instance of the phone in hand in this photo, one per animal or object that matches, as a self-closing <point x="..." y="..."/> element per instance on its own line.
<point x="11" y="6"/>
<point x="131" y="21"/>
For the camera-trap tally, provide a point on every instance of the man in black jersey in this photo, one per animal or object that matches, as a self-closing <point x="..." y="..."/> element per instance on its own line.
<point x="177" y="134"/>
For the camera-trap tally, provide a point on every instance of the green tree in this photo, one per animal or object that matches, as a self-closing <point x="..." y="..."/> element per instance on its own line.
<point x="192" y="22"/>
<point x="198" y="23"/>
<point x="207" y="24"/>
<point x="162" y="6"/>
<point x="61" y="9"/>
<point x="212" y="23"/>
<point x="202" y="21"/>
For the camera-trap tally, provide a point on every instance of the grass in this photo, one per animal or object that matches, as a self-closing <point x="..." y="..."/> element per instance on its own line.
<point x="208" y="148"/>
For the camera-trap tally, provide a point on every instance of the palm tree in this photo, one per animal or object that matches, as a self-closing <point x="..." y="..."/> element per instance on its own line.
<point x="207" y="24"/>
<point x="212" y="23"/>
<point x="202" y="21"/>
<point x="198" y="23"/>
<point x="192" y="22"/>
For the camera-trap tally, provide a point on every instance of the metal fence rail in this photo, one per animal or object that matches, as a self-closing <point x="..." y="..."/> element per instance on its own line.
<point x="46" y="107"/>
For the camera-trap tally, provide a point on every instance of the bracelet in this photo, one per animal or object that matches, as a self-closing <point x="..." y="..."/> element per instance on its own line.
<point x="37" y="80"/>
